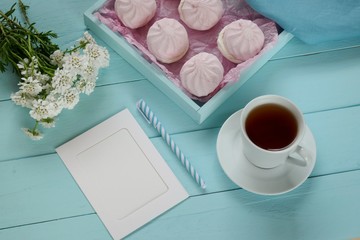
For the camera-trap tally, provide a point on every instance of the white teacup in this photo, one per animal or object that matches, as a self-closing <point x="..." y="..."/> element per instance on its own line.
<point x="272" y="128"/>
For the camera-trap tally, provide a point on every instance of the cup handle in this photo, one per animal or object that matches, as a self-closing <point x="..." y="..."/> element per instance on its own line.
<point x="303" y="161"/>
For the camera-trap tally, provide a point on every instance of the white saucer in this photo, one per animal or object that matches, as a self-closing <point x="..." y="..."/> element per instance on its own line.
<point x="278" y="180"/>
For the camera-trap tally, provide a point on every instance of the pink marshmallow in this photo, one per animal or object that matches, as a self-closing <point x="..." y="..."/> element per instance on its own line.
<point x="240" y="40"/>
<point x="201" y="74"/>
<point x="135" y="13"/>
<point x="167" y="40"/>
<point x="200" y="14"/>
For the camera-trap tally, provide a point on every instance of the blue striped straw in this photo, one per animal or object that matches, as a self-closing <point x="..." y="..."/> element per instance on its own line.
<point x="154" y="121"/>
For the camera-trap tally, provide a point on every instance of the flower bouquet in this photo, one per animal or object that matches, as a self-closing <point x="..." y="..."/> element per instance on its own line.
<point x="50" y="79"/>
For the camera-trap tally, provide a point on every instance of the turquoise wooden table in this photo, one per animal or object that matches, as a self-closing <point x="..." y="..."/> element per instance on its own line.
<point x="39" y="199"/>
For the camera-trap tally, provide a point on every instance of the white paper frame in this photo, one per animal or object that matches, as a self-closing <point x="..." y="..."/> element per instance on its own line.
<point x="127" y="185"/>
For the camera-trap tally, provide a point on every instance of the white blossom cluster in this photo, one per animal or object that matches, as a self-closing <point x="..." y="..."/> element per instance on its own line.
<point x="46" y="95"/>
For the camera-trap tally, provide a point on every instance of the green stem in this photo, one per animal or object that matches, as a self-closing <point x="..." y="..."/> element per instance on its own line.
<point x="23" y="9"/>
<point x="9" y="20"/>
<point x="33" y="131"/>
<point x="80" y="46"/>
<point x="19" y="42"/>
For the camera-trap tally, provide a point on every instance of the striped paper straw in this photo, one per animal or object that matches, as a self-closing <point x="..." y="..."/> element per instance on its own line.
<point x="154" y="121"/>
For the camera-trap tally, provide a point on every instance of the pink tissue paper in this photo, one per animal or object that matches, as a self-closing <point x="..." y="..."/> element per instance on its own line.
<point x="200" y="41"/>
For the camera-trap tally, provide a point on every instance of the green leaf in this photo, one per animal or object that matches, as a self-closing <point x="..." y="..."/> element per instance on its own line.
<point x="19" y="41"/>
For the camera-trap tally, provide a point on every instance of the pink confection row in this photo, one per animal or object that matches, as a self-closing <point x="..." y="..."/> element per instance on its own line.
<point x="168" y="41"/>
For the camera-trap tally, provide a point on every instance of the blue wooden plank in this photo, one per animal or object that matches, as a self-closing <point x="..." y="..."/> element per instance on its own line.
<point x="316" y="83"/>
<point x="87" y="227"/>
<point x="298" y="48"/>
<point x="36" y="190"/>
<point x="200" y="149"/>
<point x="322" y="208"/>
<point x="40" y="188"/>
<point x="91" y="110"/>
<point x="8" y="84"/>
<point x="198" y="145"/>
<point x="336" y="134"/>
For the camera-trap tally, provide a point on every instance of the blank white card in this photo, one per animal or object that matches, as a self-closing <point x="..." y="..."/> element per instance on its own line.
<point x="121" y="173"/>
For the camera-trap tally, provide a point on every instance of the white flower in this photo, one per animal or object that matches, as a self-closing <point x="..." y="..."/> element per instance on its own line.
<point x="57" y="58"/>
<point x="73" y="63"/>
<point x="46" y="91"/>
<point x="28" y="67"/>
<point x="31" y="86"/>
<point x="88" y="38"/>
<point x="62" y="80"/>
<point x="93" y="51"/>
<point x="43" y="79"/>
<point x="90" y="71"/>
<point x="21" y="65"/>
<point x="33" y="134"/>
<point x="70" y="98"/>
<point x="19" y="98"/>
<point x="42" y="109"/>
<point x="34" y="61"/>
<point x="86" y="86"/>
<point x="56" y="102"/>
<point x="33" y="64"/>
<point x="97" y="54"/>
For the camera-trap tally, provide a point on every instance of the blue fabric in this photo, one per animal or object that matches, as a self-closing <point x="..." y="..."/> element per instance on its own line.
<point x="313" y="21"/>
